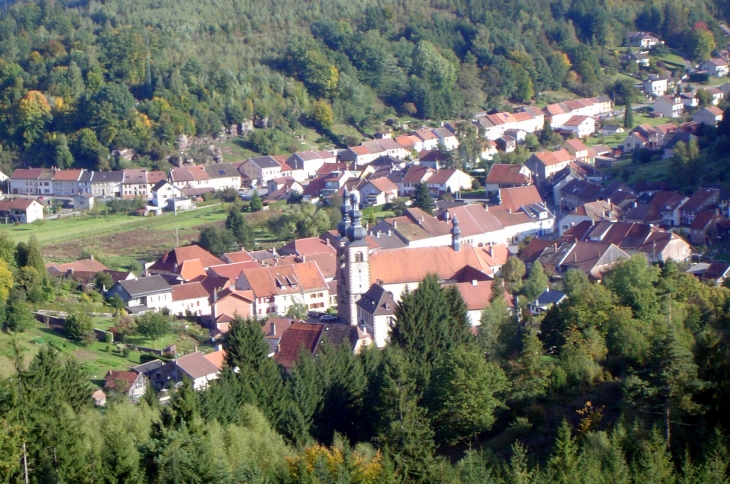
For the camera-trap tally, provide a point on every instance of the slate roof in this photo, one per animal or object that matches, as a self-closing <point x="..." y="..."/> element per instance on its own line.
<point x="377" y="301"/>
<point x="144" y="286"/>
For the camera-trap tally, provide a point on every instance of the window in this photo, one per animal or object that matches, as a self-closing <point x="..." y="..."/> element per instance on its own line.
<point x="358" y="256"/>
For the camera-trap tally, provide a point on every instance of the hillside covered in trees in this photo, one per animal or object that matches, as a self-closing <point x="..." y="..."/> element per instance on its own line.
<point x="625" y="382"/>
<point x="80" y="78"/>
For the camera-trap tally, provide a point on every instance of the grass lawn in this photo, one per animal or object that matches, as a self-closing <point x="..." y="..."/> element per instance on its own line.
<point x="642" y="119"/>
<point x="380" y="213"/>
<point x="673" y="57"/>
<point x="95" y="357"/>
<point x="653" y="171"/>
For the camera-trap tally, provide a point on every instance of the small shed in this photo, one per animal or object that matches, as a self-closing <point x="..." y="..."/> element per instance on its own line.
<point x="99" y="398"/>
<point x="83" y="201"/>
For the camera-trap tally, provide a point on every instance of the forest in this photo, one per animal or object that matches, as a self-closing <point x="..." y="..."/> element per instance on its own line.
<point x="78" y="79"/>
<point x="623" y="382"/>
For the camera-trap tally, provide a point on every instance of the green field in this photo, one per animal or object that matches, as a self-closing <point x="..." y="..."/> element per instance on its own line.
<point x="74" y="227"/>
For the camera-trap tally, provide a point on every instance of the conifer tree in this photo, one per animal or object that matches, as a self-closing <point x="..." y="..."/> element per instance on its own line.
<point x="535" y="283"/>
<point x="529" y="375"/>
<point x="422" y="198"/>
<point x="403" y="428"/>
<point x="240" y="228"/>
<point x="563" y="466"/>
<point x="628" y="117"/>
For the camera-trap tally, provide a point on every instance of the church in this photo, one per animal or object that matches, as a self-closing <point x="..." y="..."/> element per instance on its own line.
<point x="371" y="280"/>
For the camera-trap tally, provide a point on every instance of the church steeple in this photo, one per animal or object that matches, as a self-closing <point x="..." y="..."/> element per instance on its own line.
<point x="355" y="231"/>
<point x="345" y="211"/>
<point x="455" y="235"/>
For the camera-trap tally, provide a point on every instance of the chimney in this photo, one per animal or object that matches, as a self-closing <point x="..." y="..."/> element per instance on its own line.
<point x="278" y="347"/>
<point x="491" y="250"/>
<point x="390" y="232"/>
<point x="395" y="224"/>
<point x="195" y="349"/>
<point x="420" y="220"/>
<point x="219" y="347"/>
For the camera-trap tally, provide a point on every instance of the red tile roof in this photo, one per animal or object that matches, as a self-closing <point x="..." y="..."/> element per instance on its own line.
<point x="516" y="197"/>
<point x="298" y="337"/>
<point x="191" y="290"/>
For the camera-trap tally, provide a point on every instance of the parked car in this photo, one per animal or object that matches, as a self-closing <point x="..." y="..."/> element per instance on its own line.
<point x="327" y="317"/>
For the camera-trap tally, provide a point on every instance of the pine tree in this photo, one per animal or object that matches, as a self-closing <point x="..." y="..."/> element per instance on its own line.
<point x="256" y="203"/>
<point x="240" y="228"/>
<point x="628" y="117"/>
<point x="403" y="428"/>
<point x="563" y="466"/>
<point x="546" y="135"/>
<point x="529" y="375"/>
<point x="422" y="198"/>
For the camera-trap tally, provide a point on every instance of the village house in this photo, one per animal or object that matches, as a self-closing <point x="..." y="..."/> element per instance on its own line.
<point x="448" y="181"/>
<point x="83" y="201"/>
<point x="230" y="303"/>
<point x="105" y="184"/>
<point x="669" y="106"/>
<point x="428" y="137"/>
<point x="143" y="294"/>
<point x="704" y="199"/>
<point x="645" y="136"/>
<point x="581" y="126"/>
<point x="312" y="337"/>
<point x="611" y="129"/>
<point x="138" y="182"/>
<point x="31" y="181"/>
<point x="709" y="115"/>
<point x="506" y="143"/>
<point x="128" y="383"/>
<point x="66" y="182"/>
<point x="276" y="288"/>
<point x="446" y="138"/>
<point x="22" y="210"/>
<point x="164" y="193"/>
<point x="600" y="210"/>
<point x="655" y="243"/>
<point x="259" y="170"/>
<point x="184" y="263"/>
<point x="283" y="189"/>
<point x="222" y="176"/>
<point x="639" y="58"/>
<point x="668" y="204"/>
<point x="704" y="227"/>
<point x="190" y="299"/>
<point x="594" y="259"/>
<point x="358" y="155"/>
<point x="689" y="99"/>
<point x="545" y="164"/>
<point x="716" y="67"/>
<point x="546" y="300"/>
<point x="507" y="176"/>
<point x="378" y="192"/>
<point x="644" y="40"/>
<point x="655" y="86"/>
<point x="195" y="367"/>
<point x="579" y="150"/>
<point x="310" y="161"/>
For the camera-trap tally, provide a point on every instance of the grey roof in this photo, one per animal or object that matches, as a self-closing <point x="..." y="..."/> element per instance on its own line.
<point x="377" y="301"/>
<point x="196" y="365"/>
<point x="223" y="170"/>
<point x="149" y="367"/>
<point x="107" y="176"/>
<point x="85" y="176"/>
<point x="265" y="162"/>
<point x="145" y="285"/>
<point x="550" y="296"/>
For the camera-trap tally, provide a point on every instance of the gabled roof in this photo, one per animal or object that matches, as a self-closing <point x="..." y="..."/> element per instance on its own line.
<point x="172" y="261"/>
<point x="716" y="270"/>
<point x="265" y="162"/>
<point x="377" y="301"/>
<point x="240" y="256"/>
<point x="284" y="279"/>
<point x="218" y="358"/>
<point x="120" y="380"/>
<point x="517" y="197"/>
<point x="298" y="337"/>
<point x="307" y="246"/>
<point x="417" y="174"/>
<point x="191" y="290"/>
<point x="442" y="176"/>
<point x="548" y="158"/>
<point x="383" y="184"/>
<point x="143" y="286"/>
<point x="233" y="270"/>
<point x="107" y="176"/>
<point x="574" y="145"/>
<point x="550" y="296"/>
<point x="28" y="173"/>
<point x="425" y="134"/>
<point x="474" y="219"/>
<point x="196" y="365"/>
<point x="505" y="174"/>
<point x="393" y="266"/>
<point x="476" y="294"/>
<point x="67" y="175"/>
<point x="699" y="199"/>
<point x="91" y="265"/>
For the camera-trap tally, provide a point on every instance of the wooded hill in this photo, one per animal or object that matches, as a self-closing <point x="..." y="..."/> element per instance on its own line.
<point x="80" y="78"/>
